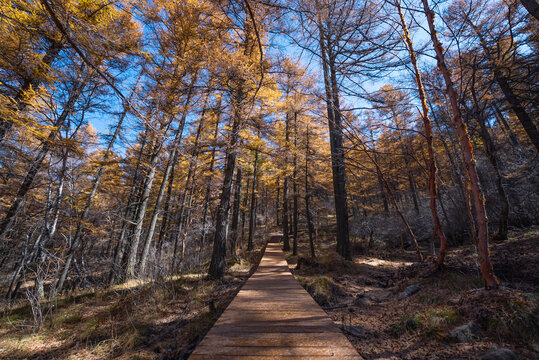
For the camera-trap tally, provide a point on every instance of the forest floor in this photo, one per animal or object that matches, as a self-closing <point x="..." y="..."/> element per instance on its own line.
<point x="163" y="319"/>
<point x="166" y="319"/>
<point x="363" y="297"/>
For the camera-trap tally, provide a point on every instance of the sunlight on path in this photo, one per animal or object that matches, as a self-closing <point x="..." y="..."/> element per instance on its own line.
<point x="273" y="317"/>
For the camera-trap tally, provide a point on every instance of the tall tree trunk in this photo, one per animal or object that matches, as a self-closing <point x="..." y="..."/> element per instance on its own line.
<point x="468" y="156"/>
<point x="310" y="224"/>
<point x="510" y="96"/>
<point x="116" y="267"/>
<point x="171" y="162"/>
<point x="178" y="244"/>
<point x="490" y="150"/>
<point x="208" y="181"/>
<point x="396" y="206"/>
<point x="295" y="187"/>
<point x="278" y="204"/>
<point x="185" y="220"/>
<point x="217" y="264"/>
<point x="286" y="240"/>
<point x="501" y="120"/>
<point x="380" y="183"/>
<point x="166" y="211"/>
<point x="243" y="207"/>
<point x="91" y="196"/>
<point x="252" y="213"/>
<point x="463" y="192"/>
<point x="411" y="181"/>
<point x="48" y="229"/>
<point x="141" y="211"/>
<point x="236" y="212"/>
<point x="337" y="149"/>
<point x="427" y="127"/>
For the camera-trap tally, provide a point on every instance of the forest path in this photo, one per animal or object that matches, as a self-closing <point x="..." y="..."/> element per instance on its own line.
<point x="273" y="317"/>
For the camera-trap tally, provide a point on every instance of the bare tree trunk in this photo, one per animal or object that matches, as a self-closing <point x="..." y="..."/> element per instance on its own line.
<point x="433" y="194"/>
<point x="185" y="220"/>
<point x="397" y="210"/>
<point x="181" y="216"/>
<point x="458" y="179"/>
<point x="411" y="181"/>
<point x="358" y="141"/>
<point x="380" y="183"/>
<point x="141" y="211"/>
<point x="243" y="207"/>
<point x="46" y="233"/>
<point x="171" y="162"/>
<point x="501" y="119"/>
<point x="278" y="204"/>
<point x="467" y="153"/>
<point x="166" y="210"/>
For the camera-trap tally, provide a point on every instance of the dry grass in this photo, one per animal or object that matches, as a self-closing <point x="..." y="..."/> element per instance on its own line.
<point x="135" y="320"/>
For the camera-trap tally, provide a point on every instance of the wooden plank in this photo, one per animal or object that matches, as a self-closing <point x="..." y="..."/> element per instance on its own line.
<point x="273" y="317"/>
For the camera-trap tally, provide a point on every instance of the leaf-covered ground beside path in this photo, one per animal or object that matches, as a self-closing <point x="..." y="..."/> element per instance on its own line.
<point x="362" y="297"/>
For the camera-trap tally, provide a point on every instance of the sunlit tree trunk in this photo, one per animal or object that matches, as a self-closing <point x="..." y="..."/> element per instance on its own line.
<point x="164" y="228"/>
<point x="141" y="211"/>
<point x="468" y="157"/>
<point x="119" y="251"/>
<point x="208" y="180"/>
<point x="47" y="231"/>
<point x="427" y="127"/>
<point x="245" y="202"/>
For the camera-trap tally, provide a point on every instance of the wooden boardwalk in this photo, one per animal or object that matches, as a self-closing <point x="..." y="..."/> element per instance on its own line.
<point x="273" y="317"/>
